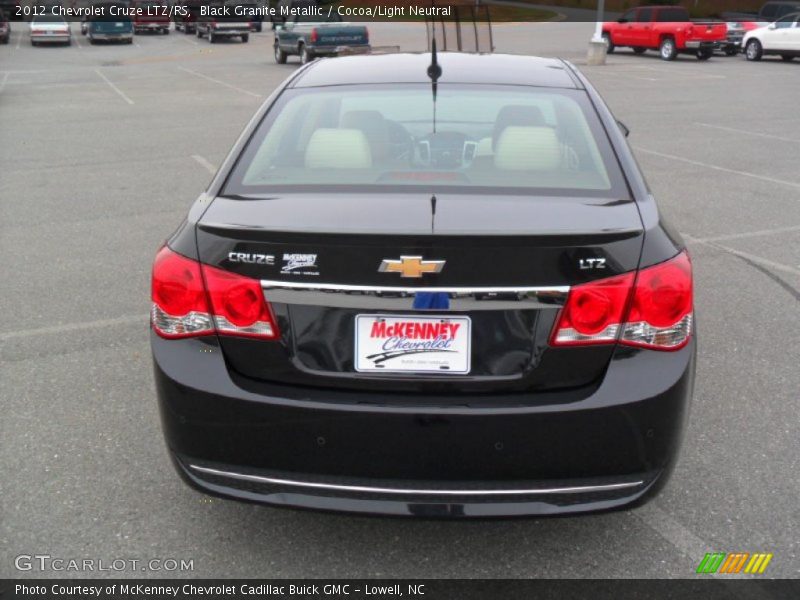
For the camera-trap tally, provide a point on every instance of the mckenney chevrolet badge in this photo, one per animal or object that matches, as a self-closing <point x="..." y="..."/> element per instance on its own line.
<point x="425" y="285"/>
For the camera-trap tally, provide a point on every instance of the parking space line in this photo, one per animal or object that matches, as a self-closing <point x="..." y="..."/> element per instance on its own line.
<point x="747" y="234"/>
<point x="792" y="184"/>
<point x="754" y="133"/>
<point x="3" y="83"/>
<point x="223" y="83"/>
<point x="19" y="41"/>
<point x="73" y="327"/>
<point x="113" y="87"/>
<point x="205" y="164"/>
<point x="746" y="255"/>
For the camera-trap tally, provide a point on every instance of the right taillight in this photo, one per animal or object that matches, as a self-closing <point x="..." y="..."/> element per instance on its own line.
<point x="658" y="301"/>
<point x="190" y="299"/>
<point x="660" y="316"/>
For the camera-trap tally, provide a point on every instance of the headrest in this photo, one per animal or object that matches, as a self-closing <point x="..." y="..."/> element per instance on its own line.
<point x="517" y="115"/>
<point x="528" y="149"/>
<point x="338" y="149"/>
<point x="373" y="125"/>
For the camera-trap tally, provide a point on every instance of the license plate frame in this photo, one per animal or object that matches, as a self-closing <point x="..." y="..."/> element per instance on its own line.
<point x="432" y="345"/>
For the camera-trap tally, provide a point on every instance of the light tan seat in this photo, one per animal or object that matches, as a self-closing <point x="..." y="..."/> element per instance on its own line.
<point x="528" y="149"/>
<point x="338" y="149"/>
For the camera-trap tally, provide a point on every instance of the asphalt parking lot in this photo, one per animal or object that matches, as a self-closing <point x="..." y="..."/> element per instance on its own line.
<point x="103" y="148"/>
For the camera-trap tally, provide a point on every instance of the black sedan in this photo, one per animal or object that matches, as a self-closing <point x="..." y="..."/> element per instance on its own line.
<point x="432" y="286"/>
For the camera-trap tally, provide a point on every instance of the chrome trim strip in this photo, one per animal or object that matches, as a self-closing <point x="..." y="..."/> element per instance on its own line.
<point x="400" y="297"/>
<point x="414" y="492"/>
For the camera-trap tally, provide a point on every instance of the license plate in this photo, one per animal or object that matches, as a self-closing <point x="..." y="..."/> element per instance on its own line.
<point x="413" y="344"/>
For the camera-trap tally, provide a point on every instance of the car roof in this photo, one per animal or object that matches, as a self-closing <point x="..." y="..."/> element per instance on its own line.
<point x="457" y="67"/>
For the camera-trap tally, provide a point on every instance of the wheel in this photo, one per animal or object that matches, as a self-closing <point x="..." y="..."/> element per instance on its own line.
<point x="198" y="32"/>
<point x="667" y="49"/>
<point x="245" y="38"/>
<point x="186" y="30"/>
<point x="129" y="41"/>
<point x="731" y="51"/>
<point x="165" y="31"/>
<point x="212" y="38"/>
<point x="639" y="50"/>
<point x="259" y="27"/>
<point x="136" y="31"/>
<point x="787" y="57"/>
<point x="609" y="44"/>
<point x="753" y="50"/>
<point x="280" y="55"/>
<point x="92" y="41"/>
<point x="33" y="43"/>
<point x="704" y="54"/>
<point x="305" y="56"/>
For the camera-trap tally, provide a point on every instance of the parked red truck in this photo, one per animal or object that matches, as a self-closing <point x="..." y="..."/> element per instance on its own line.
<point x="667" y="29"/>
<point x="150" y="15"/>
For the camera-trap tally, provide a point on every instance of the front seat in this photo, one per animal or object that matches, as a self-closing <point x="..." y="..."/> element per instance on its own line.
<point x="372" y="124"/>
<point x="338" y="149"/>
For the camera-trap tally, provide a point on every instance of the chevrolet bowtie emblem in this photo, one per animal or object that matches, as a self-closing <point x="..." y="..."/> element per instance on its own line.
<point x="411" y="266"/>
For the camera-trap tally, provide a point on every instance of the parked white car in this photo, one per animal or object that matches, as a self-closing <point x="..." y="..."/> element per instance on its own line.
<point x="781" y="37"/>
<point x="50" y="29"/>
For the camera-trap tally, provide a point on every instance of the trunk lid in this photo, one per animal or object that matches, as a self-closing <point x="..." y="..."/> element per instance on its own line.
<point x="508" y="262"/>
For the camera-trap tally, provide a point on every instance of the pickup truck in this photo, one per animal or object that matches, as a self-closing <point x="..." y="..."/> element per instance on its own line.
<point x="222" y="20"/>
<point x="107" y="28"/>
<point x="150" y="15"/>
<point x="313" y="36"/>
<point x="667" y="29"/>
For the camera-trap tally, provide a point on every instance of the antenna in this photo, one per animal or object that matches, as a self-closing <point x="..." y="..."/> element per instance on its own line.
<point x="434" y="72"/>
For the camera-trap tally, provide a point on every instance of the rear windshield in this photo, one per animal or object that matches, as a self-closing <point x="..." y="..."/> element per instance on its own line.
<point x="507" y="139"/>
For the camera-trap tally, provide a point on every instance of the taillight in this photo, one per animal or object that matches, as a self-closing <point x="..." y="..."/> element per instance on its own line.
<point x="180" y="306"/>
<point x="659" y="317"/>
<point x="593" y="312"/>
<point x="238" y="304"/>
<point x="190" y="299"/>
<point x="314" y="35"/>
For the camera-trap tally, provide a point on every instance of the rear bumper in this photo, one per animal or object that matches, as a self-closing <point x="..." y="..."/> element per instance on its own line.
<point x="58" y="38"/>
<point x="231" y="32"/>
<point x="148" y="26"/>
<point x="388" y="454"/>
<point x="112" y="36"/>
<point x="701" y="45"/>
<point x="339" y="50"/>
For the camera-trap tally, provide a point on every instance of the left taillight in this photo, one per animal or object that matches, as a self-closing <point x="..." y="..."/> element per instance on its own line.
<point x="191" y="299"/>
<point x="658" y="301"/>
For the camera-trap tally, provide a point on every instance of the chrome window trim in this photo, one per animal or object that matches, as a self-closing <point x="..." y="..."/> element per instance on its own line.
<point x="417" y="492"/>
<point x="336" y="295"/>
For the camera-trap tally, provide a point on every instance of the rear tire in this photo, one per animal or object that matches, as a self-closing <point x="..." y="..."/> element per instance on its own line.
<point x="787" y="57"/>
<point x="198" y="32"/>
<point x="731" y="51"/>
<point x="753" y="50"/>
<point x="245" y="38"/>
<point x="212" y="38"/>
<point x="704" y="54"/>
<point x="639" y="50"/>
<point x="305" y="56"/>
<point x="280" y="55"/>
<point x="667" y="49"/>
<point x="610" y="47"/>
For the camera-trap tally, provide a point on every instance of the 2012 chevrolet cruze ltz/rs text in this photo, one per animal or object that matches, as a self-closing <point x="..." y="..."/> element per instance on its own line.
<point x="426" y="285"/>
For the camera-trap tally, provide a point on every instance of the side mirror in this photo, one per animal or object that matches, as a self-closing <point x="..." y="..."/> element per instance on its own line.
<point x="623" y="128"/>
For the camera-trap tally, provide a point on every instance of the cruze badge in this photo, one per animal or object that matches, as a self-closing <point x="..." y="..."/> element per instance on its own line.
<point x="411" y="266"/>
